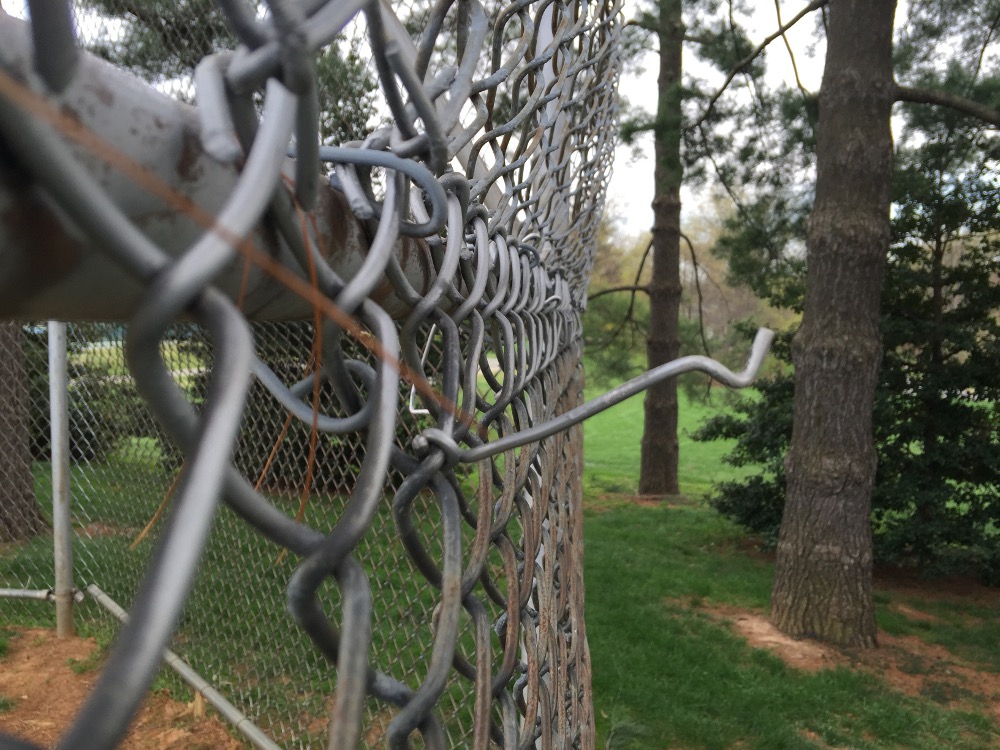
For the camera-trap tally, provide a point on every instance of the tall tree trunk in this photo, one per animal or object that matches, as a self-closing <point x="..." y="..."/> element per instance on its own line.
<point x="658" y="468"/>
<point x="823" y="577"/>
<point x="20" y="517"/>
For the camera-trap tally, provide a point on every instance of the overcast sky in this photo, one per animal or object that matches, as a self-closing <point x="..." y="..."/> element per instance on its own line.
<point x="631" y="190"/>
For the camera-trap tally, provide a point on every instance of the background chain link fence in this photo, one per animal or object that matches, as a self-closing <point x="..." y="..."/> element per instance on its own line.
<point x="365" y="529"/>
<point x="235" y="631"/>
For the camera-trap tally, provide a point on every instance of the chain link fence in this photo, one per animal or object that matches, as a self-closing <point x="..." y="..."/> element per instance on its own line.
<point x="235" y="631"/>
<point x="364" y="530"/>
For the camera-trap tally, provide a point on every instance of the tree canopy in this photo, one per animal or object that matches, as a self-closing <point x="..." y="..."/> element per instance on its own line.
<point x="936" y="415"/>
<point x="163" y="40"/>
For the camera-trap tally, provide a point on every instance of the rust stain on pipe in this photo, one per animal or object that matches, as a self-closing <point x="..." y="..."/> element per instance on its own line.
<point x="157" y="172"/>
<point x="55" y="253"/>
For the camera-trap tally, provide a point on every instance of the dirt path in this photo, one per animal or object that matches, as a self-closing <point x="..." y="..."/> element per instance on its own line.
<point x="44" y="680"/>
<point x="906" y="663"/>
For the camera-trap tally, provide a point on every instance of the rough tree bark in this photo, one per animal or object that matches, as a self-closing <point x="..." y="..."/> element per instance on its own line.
<point x="823" y="577"/>
<point x="658" y="465"/>
<point x="20" y="516"/>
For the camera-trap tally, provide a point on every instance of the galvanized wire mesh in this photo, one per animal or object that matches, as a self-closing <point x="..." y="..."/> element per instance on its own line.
<point x="408" y="488"/>
<point x="235" y="630"/>
<point x="20" y="517"/>
<point x="455" y="615"/>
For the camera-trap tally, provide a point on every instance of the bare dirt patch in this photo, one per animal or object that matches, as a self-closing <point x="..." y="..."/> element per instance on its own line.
<point x="804" y="654"/>
<point x="102" y="530"/>
<point x="40" y="693"/>
<point x="612" y="500"/>
<point x="912" y="613"/>
<point x="906" y="663"/>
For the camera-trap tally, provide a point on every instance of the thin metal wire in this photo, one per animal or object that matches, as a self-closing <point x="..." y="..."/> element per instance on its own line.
<point x="492" y="174"/>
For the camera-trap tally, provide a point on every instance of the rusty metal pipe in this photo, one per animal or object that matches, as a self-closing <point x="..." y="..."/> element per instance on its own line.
<point x="48" y="269"/>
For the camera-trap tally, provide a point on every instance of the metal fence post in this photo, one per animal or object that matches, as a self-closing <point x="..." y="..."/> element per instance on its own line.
<point x="62" y="526"/>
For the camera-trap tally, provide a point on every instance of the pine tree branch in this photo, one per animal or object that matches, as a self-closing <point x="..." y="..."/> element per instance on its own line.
<point x="629" y="129"/>
<point x="701" y="298"/>
<point x="630" y="313"/>
<point x="143" y="13"/>
<point x="611" y="290"/>
<point x="986" y="43"/>
<point x="815" y="4"/>
<point x="718" y="287"/>
<point x="642" y="261"/>
<point x="646" y="22"/>
<point x="791" y="53"/>
<point x="731" y="191"/>
<point x="750" y="82"/>
<point x="945" y="99"/>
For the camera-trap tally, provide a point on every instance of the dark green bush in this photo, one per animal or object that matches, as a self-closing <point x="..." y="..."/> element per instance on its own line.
<point x="936" y="501"/>
<point x="761" y="425"/>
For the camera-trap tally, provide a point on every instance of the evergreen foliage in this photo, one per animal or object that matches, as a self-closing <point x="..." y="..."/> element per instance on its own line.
<point x="164" y="40"/>
<point x="161" y="39"/>
<point x="616" y="320"/>
<point x="936" y="503"/>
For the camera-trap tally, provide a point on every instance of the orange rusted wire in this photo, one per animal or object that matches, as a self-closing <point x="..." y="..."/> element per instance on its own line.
<point x="157" y="513"/>
<point x="76" y="131"/>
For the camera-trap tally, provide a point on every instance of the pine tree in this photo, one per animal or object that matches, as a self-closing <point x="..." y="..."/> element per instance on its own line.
<point x="935" y="426"/>
<point x="164" y="40"/>
<point x="703" y="28"/>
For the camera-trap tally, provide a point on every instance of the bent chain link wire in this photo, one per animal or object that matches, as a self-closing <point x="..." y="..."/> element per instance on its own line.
<point x="497" y="160"/>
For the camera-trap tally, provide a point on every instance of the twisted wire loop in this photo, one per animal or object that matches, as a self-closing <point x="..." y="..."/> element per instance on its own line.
<point x="501" y="210"/>
<point x="444" y="258"/>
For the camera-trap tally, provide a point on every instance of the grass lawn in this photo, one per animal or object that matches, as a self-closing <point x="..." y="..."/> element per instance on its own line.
<point x="669" y="672"/>
<point x="235" y="630"/>
<point x="611" y="448"/>
<point x="109" y="357"/>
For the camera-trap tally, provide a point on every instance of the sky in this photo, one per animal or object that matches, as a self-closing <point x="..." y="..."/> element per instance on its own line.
<point x="631" y="188"/>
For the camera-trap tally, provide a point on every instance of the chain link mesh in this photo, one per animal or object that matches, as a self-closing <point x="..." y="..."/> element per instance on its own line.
<point x="436" y="600"/>
<point x="399" y="562"/>
<point x="235" y="630"/>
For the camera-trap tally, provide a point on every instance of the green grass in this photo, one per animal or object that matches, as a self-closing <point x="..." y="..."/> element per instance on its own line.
<point x="666" y="674"/>
<point x="611" y="448"/>
<point x="236" y="631"/>
<point x="970" y="630"/>
<point x="662" y="665"/>
<point x="90" y="662"/>
<point x="110" y="358"/>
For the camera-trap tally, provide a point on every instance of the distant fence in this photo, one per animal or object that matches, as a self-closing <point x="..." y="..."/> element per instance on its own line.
<point x="445" y="231"/>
